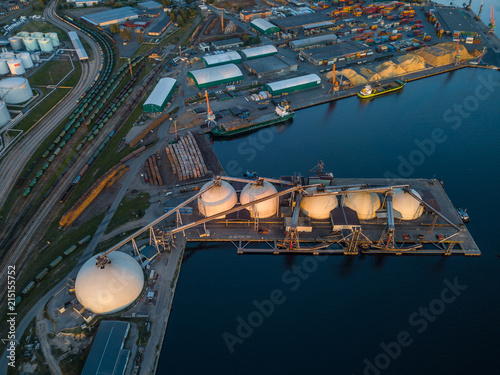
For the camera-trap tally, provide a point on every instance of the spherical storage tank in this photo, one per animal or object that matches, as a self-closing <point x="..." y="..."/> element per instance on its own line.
<point x="318" y="207"/>
<point x="16" y="67"/>
<point x="112" y="288"/>
<point x="45" y="45"/>
<point x="4" y="114"/>
<point x="31" y="44"/>
<point x="54" y="39"/>
<point x="365" y="204"/>
<point x="218" y="199"/>
<point x="252" y="192"/>
<point x="15" y="90"/>
<point x="16" y="43"/>
<point x="4" y="68"/>
<point x="405" y="206"/>
<point x="25" y="58"/>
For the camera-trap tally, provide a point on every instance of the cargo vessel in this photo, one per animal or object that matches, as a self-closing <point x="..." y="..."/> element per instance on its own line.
<point x="369" y="92"/>
<point x="282" y="113"/>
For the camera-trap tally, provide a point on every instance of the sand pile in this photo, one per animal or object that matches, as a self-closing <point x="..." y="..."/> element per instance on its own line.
<point x="443" y="54"/>
<point x="411" y="62"/>
<point x="389" y="69"/>
<point x="353" y="77"/>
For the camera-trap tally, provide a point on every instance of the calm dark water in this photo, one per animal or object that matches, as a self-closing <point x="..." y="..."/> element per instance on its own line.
<point x="337" y="319"/>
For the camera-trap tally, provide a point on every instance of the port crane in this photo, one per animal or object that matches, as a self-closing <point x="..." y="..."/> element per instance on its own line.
<point x="478" y="17"/>
<point x="492" y="25"/>
<point x="210" y="120"/>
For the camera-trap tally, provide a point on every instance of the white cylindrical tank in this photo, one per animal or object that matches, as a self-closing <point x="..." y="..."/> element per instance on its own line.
<point x="15" y="90"/>
<point x="4" y="68"/>
<point x="318" y="207"/>
<point x="16" y="43"/>
<point x="54" y="39"/>
<point x="35" y="56"/>
<point x="4" y="114"/>
<point x="23" y="34"/>
<point x="31" y="44"/>
<point x="218" y="199"/>
<point x="8" y="55"/>
<point x="112" y="288"/>
<point x="365" y="204"/>
<point x="25" y="58"/>
<point x="37" y="35"/>
<point x="252" y="192"/>
<point x="45" y="45"/>
<point x="405" y="206"/>
<point x="16" y="67"/>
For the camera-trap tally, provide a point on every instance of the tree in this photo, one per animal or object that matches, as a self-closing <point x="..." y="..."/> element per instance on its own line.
<point x="41" y="4"/>
<point x="172" y="17"/>
<point x="140" y="39"/>
<point x="180" y="20"/>
<point x="114" y="28"/>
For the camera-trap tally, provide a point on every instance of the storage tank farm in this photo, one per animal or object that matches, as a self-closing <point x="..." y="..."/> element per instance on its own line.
<point x="219" y="198"/>
<point x="16" y="43"/>
<point x="252" y="192"/>
<point x="16" y="67"/>
<point x="54" y="39"/>
<point x="26" y="60"/>
<point x="45" y="45"/>
<point x="4" y="68"/>
<point x="15" y="90"/>
<point x="405" y="206"/>
<point x="4" y="114"/>
<point x="31" y="44"/>
<point x="319" y="206"/>
<point x="365" y="204"/>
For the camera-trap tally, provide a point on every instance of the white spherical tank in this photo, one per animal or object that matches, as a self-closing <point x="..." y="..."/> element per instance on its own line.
<point x="31" y="44"/>
<point x="16" y="67"/>
<point x="25" y="58"/>
<point x="54" y="39"/>
<point x="4" y="68"/>
<point x="405" y="206"/>
<point x="4" y="114"/>
<point x="45" y="45"/>
<point x="365" y="204"/>
<point x="218" y="199"/>
<point x="318" y="207"/>
<point x="16" y="43"/>
<point x="15" y="90"/>
<point x="112" y="288"/>
<point x="252" y="192"/>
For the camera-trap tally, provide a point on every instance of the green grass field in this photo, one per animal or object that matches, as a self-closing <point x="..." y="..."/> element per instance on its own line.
<point x="131" y="208"/>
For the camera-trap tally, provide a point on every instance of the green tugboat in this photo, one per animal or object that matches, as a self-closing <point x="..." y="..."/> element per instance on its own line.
<point x="369" y="92"/>
<point x="282" y="113"/>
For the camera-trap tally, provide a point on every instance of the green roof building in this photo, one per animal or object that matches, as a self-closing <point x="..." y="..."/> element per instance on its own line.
<point x="216" y="75"/>
<point x="288" y="86"/>
<point x="264" y="27"/>
<point x="160" y="95"/>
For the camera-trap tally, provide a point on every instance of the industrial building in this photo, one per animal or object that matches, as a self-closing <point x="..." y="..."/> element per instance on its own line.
<point x="455" y="20"/>
<point x="217" y="75"/>
<point x="82" y="3"/>
<point x="297" y="22"/>
<point x="222" y="58"/>
<point x="15" y="90"/>
<point x="107" y="355"/>
<point x="150" y="5"/>
<point x="257" y="52"/>
<point x="159" y="28"/>
<point x="264" y="27"/>
<point x="78" y="46"/>
<point x="313" y="41"/>
<point x="270" y="66"/>
<point x="327" y="55"/>
<point x="109" y="17"/>
<point x="288" y="86"/>
<point x="160" y="95"/>
<point x="249" y="15"/>
<point x="227" y="43"/>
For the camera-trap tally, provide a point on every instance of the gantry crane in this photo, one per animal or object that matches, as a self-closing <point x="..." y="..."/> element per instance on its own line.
<point x="210" y="121"/>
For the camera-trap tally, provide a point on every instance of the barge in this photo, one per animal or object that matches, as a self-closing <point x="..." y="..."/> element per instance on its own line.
<point x="369" y="92"/>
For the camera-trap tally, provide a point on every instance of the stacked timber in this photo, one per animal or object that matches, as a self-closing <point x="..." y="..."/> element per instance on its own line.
<point x="153" y="172"/>
<point x="186" y="159"/>
<point x="149" y="128"/>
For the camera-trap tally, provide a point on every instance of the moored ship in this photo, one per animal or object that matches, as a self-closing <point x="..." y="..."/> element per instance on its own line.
<point x="369" y="92"/>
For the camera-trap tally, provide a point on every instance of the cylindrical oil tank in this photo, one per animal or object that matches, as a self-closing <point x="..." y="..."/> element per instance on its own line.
<point x="35" y="56"/>
<point x="16" y="43"/>
<point x="4" y="68"/>
<point x="365" y="204"/>
<point x="37" y="35"/>
<point x="219" y="198"/>
<point x="15" y="90"/>
<point x="405" y="206"/>
<point x="54" y="39"/>
<point x="4" y="114"/>
<point x="23" y="34"/>
<point x="318" y="207"/>
<point x="16" y="67"/>
<point x="31" y="44"/>
<point x="252" y="192"/>
<point x="25" y="58"/>
<point x="45" y="45"/>
<point x="8" y="55"/>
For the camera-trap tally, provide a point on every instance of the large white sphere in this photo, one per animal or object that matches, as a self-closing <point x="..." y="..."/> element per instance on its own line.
<point x="217" y="199"/>
<point x="318" y="207"/>
<point x="252" y="192"/>
<point x="111" y="289"/>
<point x="365" y="204"/>
<point x="405" y="206"/>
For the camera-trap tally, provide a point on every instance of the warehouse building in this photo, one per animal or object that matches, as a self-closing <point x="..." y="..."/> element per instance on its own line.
<point x="288" y="86"/>
<point x="455" y="20"/>
<point x="314" y="41"/>
<point x="257" y="52"/>
<point x="150" y="5"/>
<point x="247" y="16"/>
<point x="159" y="97"/>
<point x="227" y="43"/>
<point x="270" y="66"/>
<point x="328" y="55"/>
<point x="296" y="22"/>
<point x="264" y="27"/>
<point x="216" y="75"/>
<point x="107" y="355"/>
<point x="159" y="28"/>
<point x="222" y="58"/>
<point x="78" y="46"/>
<point x="109" y="17"/>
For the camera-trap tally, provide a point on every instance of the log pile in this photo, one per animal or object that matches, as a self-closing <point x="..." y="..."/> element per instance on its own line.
<point x="186" y="159"/>
<point x="153" y="172"/>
